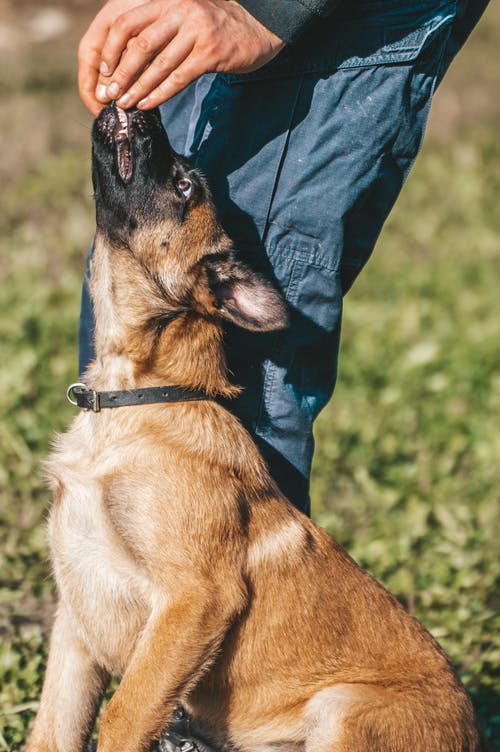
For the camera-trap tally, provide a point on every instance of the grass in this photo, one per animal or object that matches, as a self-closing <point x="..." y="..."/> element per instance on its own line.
<point x="407" y="470"/>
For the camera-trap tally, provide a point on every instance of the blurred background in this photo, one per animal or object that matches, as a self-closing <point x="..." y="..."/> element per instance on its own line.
<point x="407" y="471"/>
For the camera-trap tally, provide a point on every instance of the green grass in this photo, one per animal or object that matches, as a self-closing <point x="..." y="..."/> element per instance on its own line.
<point x="47" y="220"/>
<point x="407" y="471"/>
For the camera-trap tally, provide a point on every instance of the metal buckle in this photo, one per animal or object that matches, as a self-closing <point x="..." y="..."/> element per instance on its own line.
<point x="95" y="406"/>
<point x="69" y="392"/>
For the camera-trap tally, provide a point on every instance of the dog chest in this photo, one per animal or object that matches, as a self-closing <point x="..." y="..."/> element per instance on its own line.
<point x="98" y="581"/>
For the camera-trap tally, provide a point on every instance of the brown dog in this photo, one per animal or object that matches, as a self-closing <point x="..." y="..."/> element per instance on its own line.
<point x="179" y="563"/>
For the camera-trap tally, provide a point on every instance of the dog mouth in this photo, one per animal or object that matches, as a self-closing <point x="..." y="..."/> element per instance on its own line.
<point x="135" y="141"/>
<point x="122" y="140"/>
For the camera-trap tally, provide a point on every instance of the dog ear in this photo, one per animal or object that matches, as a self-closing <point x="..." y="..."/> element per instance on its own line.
<point x="244" y="297"/>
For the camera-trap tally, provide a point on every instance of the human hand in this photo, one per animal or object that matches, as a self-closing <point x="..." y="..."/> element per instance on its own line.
<point x="142" y="52"/>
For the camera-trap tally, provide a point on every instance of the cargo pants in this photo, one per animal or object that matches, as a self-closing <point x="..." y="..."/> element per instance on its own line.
<point x="305" y="158"/>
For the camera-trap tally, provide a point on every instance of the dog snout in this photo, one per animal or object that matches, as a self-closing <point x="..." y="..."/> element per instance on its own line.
<point x="113" y="123"/>
<point x="135" y="140"/>
<point x="138" y="179"/>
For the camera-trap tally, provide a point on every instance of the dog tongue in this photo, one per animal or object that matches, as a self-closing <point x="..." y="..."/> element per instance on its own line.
<point x="122" y="142"/>
<point x="124" y="158"/>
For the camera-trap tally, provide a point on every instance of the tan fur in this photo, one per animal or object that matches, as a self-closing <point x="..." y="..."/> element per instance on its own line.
<point x="181" y="566"/>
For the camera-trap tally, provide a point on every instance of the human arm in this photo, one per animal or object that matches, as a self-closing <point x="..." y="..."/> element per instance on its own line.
<point x="155" y="48"/>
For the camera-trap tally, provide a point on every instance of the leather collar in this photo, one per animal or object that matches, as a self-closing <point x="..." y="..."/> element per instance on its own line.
<point x="90" y="399"/>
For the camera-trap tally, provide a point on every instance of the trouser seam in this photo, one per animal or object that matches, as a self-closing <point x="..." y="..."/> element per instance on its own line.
<point x="284" y="151"/>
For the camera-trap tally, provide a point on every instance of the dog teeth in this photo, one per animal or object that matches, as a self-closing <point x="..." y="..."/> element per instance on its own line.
<point x="122" y="116"/>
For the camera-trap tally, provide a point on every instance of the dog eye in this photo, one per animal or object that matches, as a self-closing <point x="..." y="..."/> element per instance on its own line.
<point x="185" y="186"/>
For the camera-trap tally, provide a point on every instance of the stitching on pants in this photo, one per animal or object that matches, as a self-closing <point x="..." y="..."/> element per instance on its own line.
<point x="270" y="368"/>
<point x="284" y="151"/>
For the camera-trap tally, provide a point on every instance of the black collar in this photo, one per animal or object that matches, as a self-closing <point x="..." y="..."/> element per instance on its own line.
<point x="89" y="399"/>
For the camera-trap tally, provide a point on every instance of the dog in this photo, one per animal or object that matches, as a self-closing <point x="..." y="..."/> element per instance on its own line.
<point x="179" y="563"/>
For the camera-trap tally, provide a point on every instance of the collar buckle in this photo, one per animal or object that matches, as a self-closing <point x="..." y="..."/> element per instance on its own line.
<point x="89" y="398"/>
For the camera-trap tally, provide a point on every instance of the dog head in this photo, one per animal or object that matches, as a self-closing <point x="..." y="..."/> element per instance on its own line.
<point x="155" y="216"/>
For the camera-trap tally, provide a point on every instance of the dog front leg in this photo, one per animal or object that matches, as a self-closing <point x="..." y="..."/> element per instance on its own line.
<point x="71" y="695"/>
<point x="178" y="643"/>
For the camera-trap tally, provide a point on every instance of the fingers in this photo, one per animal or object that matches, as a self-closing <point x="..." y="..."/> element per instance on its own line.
<point x="145" y="46"/>
<point x="87" y="81"/>
<point x="176" y="81"/>
<point x="89" y="58"/>
<point x="91" y="46"/>
<point x="142" y="52"/>
<point x="126" y="27"/>
<point x="166" y="61"/>
<point x="154" y="44"/>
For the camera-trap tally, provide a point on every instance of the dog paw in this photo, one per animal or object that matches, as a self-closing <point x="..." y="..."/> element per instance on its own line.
<point x="172" y="742"/>
<point x="180" y="736"/>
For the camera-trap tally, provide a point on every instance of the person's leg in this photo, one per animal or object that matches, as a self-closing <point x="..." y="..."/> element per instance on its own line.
<point x="304" y="190"/>
<point x="304" y="171"/>
<point x="87" y="323"/>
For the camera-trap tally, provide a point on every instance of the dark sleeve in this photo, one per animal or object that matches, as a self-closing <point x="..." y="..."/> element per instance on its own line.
<point x="288" y="19"/>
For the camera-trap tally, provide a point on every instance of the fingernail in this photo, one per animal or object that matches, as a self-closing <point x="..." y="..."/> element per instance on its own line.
<point x="123" y="101"/>
<point x="113" y="89"/>
<point x="101" y="93"/>
<point x="143" y="102"/>
<point x="103" y="68"/>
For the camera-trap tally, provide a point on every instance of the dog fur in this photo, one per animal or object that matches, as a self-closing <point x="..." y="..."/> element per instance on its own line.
<point x="179" y="563"/>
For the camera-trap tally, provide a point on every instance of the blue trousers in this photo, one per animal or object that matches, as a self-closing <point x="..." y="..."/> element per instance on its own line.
<point x="305" y="159"/>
